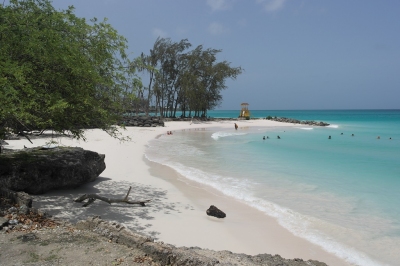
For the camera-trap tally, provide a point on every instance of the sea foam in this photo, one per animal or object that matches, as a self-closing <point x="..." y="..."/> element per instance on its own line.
<point x="299" y="224"/>
<point x="333" y="126"/>
<point x="221" y="134"/>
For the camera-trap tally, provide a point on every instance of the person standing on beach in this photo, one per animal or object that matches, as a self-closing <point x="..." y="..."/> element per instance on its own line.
<point x="236" y="126"/>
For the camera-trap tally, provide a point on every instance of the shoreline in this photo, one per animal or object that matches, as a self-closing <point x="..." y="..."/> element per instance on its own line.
<point x="177" y="215"/>
<point x="244" y="230"/>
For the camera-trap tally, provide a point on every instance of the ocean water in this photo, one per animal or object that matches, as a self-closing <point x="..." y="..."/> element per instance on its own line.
<point x="341" y="193"/>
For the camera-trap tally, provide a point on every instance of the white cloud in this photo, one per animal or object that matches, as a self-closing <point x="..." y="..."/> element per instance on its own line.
<point x="216" y="28"/>
<point x="159" y="33"/>
<point x="272" y="5"/>
<point x="218" y="4"/>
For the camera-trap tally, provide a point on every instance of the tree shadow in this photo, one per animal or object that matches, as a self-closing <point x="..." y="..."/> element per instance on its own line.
<point x="61" y="204"/>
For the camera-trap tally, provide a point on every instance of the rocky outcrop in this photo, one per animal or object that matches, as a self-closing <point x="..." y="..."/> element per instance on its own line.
<point x="97" y="242"/>
<point x="142" y="121"/>
<point x="157" y="121"/>
<point x="167" y="254"/>
<point x="19" y="198"/>
<point x="38" y="170"/>
<point x="295" y="121"/>
<point x="214" y="211"/>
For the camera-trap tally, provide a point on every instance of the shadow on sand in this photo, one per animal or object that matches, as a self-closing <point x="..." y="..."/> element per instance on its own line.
<point x="61" y="204"/>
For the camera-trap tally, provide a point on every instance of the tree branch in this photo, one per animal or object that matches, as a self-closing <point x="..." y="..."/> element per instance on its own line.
<point x="93" y="197"/>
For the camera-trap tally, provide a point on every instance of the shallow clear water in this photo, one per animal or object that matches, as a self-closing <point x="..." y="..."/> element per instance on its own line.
<point x="340" y="193"/>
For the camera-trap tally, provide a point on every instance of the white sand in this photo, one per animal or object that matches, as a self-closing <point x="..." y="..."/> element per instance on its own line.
<point x="177" y="213"/>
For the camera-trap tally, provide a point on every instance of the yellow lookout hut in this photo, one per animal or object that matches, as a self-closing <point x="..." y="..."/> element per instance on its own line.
<point x="244" y="111"/>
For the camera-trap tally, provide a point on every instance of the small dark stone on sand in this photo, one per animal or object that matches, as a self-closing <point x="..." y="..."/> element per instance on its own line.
<point x="214" y="211"/>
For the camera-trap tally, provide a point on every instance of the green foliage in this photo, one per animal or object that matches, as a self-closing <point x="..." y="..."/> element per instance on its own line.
<point x="205" y="78"/>
<point x="247" y="117"/>
<point x="191" y="80"/>
<point x="59" y="72"/>
<point x="269" y="117"/>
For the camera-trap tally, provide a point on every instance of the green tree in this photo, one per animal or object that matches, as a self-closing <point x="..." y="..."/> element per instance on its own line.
<point x="59" y="72"/>
<point x="191" y="81"/>
<point x="204" y="79"/>
<point x="170" y="58"/>
<point x="148" y="64"/>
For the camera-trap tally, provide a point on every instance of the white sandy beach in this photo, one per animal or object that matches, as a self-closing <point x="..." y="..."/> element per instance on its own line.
<point x="177" y="212"/>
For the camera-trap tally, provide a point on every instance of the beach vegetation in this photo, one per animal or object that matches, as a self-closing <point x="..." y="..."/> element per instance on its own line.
<point x="187" y="80"/>
<point x="61" y="72"/>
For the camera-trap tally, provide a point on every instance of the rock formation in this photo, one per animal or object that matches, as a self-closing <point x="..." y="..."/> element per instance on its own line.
<point x="214" y="211"/>
<point x="167" y="254"/>
<point x="142" y="121"/>
<point x="37" y="170"/>
<point x="295" y="121"/>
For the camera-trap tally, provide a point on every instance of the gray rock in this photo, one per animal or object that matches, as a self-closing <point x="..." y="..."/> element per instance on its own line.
<point x="3" y="222"/>
<point x="23" y="209"/>
<point x="166" y="254"/>
<point x="17" y="227"/>
<point x="20" y="198"/>
<point x="36" y="170"/>
<point x="142" y="121"/>
<point x="214" y="211"/>
<point x="23" y="199"/>
<point x="295" y="121"/>
<point x="13" y="222"/>
<point x="28" y="237"/>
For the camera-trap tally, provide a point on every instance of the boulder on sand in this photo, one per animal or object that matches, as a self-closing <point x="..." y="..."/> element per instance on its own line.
<point x="38" y="170"/>
<point x="214" y="211"/>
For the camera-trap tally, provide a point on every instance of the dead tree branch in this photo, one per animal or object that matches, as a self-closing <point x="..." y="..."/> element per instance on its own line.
<point x="93" y="197"/>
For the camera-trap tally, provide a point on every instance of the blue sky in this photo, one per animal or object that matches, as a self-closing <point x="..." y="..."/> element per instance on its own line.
<point x="311" y="54"/>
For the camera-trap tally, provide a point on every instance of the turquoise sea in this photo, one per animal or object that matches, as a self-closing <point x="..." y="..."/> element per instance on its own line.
<point x="341" y="193"/>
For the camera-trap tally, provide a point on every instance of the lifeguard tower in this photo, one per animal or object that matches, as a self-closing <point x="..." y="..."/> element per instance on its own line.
<point x="244" y="112"/>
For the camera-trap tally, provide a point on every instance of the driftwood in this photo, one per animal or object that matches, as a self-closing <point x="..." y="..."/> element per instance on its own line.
<point x="93" y="197"/>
